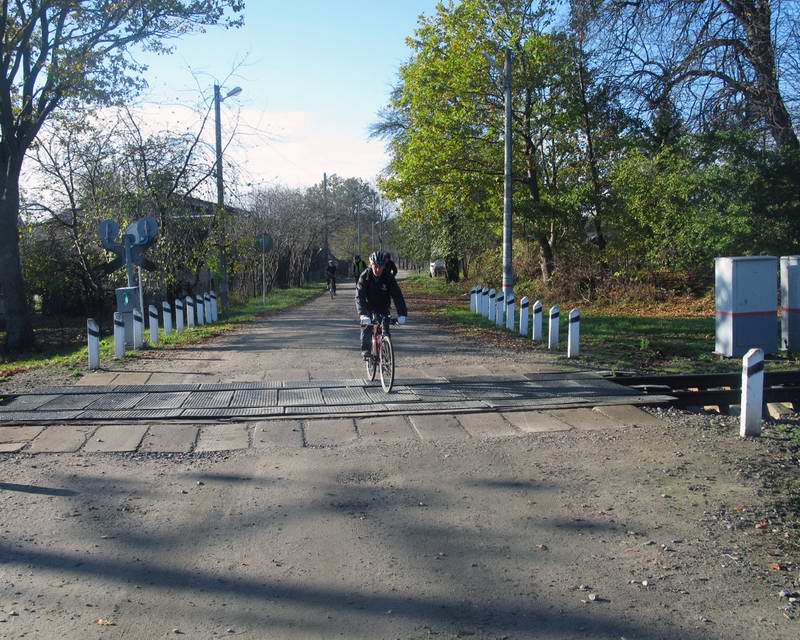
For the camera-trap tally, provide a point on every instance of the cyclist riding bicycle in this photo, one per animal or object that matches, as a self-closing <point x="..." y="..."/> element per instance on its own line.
<point x="391" y="267"/>
<point x="375" y="291"/>
<point x="358" y="268"/>
<point x="330" y="274"/>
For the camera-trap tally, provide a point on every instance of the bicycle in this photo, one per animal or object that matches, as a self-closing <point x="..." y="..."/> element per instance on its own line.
<point x="381" y="357"/>
<point x="332" y="287"/>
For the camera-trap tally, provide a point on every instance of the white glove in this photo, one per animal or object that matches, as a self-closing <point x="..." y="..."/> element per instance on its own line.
<point x="401" y="320"/>
<point x="365" y="320"/>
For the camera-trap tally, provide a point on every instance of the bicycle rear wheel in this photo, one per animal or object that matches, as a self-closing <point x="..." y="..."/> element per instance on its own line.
<point x="387" y="364"/>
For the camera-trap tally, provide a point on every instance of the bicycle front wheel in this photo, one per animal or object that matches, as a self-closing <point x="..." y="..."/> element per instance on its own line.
<point x="372" y="367"/>
<point x="387" y="364"/>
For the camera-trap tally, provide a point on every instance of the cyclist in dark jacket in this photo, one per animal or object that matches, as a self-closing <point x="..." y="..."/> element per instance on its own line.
<point x="358" y="267"/>
<point x="391" y="267"/>
<point x="330" y="273"/>
<point x="375" y="291"/>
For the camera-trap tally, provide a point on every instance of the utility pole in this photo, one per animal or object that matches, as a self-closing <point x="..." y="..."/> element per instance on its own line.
<point x="223" y="261"/>
<point x="325" y="214"/>
<point x="508" y="275"/>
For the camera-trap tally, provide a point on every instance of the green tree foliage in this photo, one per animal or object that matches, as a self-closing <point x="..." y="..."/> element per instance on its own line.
<point x="57" y="53"/>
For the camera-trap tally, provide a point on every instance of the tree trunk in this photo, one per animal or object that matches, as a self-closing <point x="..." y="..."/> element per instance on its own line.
<point x="756" y="17"/>
<point x="451" y="265"/>
<point x="547" y="259"/>
<point x="19" y="331"/>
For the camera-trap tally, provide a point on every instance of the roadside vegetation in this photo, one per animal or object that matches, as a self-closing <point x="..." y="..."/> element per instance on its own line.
<point x="657" y="339"/>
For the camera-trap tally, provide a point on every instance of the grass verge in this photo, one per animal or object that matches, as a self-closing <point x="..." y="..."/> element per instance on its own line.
<point x="75" y="357"/>
<point x="615" y="341"/>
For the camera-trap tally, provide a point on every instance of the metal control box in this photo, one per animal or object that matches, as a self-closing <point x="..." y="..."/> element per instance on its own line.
<point x="790" y="303"/>
<point x="127" y="299"/>
<point x="746" y="296"/>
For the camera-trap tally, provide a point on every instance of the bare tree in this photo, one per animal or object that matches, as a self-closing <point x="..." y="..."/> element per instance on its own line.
<point x="716" y="59"/>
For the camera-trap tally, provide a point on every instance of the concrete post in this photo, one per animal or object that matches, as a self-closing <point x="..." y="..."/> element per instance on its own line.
<point x="492" y="308"/>
<point x="198" y="307"/>
<point x="752" y="393"/>
<point x="119" y="336"/>
<point x="485" y="302"/>
<point x="207" y="307"/>
<point x="500" y="307"/>
<point x="574" y="334"/>
<point x="537" y="321"/>
<point x="552" y="329"/>
<point x="153" y="313"/>
<point x="93" y="336"/>
<point x="167" y="313"/>
<point x="523" y="316"/>
<point x="178" y="315"/>
<point x="214" y="312"/>
<point x="510" y="317"/>
<point x="138" y="329"/>
<point x="190" y="311"/>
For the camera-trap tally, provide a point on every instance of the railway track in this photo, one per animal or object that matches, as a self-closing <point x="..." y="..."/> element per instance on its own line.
<point x="721" y="389"/>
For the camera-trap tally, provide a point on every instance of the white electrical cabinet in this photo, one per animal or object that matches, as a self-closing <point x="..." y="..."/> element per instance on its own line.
<point x="790" y="303"/>
<point x="746" y="295"/>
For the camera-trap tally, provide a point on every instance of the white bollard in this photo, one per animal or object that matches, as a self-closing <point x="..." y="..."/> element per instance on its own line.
<point x="153" y="313"/>
<point x="510" y="311"/>
<point x="500" y="307"/>
<point x="485" y="307"/>
<point x="190" y="311"/>
<point x="138" y="329"/>
<point x="93" y="336"/>
<point x="119" y="336"/>
<point x="214" y="311"/>
<point x="484" y="296"/>
<point x="198" y="307"/>
<point x="574" y="334"/>
<point x="472" y="300"/>
<point x="167" y="313"/>
<point x="207" y="307"/>
<point x="492" y="308"/>
<point x="552" y="329"/>
<point x="523" y="316"/>
<point x="537" y="321"/>
<point x="752" y="393"/>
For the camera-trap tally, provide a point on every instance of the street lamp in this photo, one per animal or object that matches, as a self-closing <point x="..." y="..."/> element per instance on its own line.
<point x="508" y="275"/>
<point x="223" y="263"/>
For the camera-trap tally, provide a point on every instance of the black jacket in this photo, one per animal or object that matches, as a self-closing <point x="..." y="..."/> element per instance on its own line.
<point x="374" y="295"/>
<point x="330" y="270"/>
<point x="391" y="267"/>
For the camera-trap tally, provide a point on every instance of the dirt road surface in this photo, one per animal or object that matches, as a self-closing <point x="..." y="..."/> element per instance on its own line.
<point x="609" y="533"/>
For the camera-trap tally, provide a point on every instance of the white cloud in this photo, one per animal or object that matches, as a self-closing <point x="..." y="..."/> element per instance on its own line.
<point x="291" y="148"/>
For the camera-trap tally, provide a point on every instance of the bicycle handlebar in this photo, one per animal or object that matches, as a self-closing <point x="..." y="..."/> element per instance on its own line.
<point x="377" y="321"/>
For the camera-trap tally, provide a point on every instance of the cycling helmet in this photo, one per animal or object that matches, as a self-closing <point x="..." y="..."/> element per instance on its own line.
<point x="330" y="263"/>
<point x="378" y="258"/>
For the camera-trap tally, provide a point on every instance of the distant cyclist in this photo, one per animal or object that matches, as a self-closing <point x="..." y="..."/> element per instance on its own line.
<point x="375" y="291"/>
<point x="358" y="267"/>
<point x="330" y="274"/>
<point x="391" y="267"/>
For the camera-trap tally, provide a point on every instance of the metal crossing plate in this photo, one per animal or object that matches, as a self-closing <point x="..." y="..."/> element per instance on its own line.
<point x="208" y="400"/>
<point x="76" y="401"/>
<point x="116" y="401"/>
<point x="238" y="412"/>
<point x="38" y="416"/>
<point x="255" y="398"/>
<point x="163" y="400"/>
<point x="341" y="408"/>
<point x="353" y="395"/>
<point x="26" y="403"/>
<point x="294" y="397"/>
<point x="156" y="388"/>
<point x="237" y="386"/>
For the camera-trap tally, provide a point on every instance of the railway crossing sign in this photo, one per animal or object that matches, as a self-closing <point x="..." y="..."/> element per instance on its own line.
<point x="139" y="235"/>
<point x="265" y="242"/>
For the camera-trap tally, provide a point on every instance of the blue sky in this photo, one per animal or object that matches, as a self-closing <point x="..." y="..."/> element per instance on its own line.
<point x="314" y="75"/>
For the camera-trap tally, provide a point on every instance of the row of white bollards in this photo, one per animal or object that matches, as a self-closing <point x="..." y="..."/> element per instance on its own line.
<point x="199" y="310"/>
<point x="493" y="306"/>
